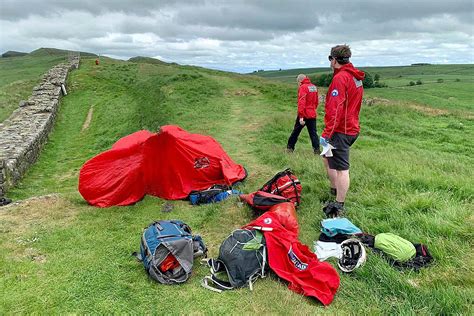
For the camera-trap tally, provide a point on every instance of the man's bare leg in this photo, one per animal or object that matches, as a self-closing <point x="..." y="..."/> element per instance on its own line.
<point x="342" y="184"/>
<point x="332" y="174"/>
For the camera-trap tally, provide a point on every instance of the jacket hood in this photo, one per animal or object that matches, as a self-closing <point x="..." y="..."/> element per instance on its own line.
<point x="358" y="74"/>
<point x="306" y="81"/>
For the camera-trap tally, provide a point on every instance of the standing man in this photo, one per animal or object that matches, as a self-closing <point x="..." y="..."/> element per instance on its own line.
<point x="307" y="105"/>
<point x="343" y="101"/>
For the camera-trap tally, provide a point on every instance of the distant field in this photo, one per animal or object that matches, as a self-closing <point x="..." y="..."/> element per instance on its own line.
<point x="411" y="171"/>
<point x="443" y="86"/>
<point x="18" y="77"/>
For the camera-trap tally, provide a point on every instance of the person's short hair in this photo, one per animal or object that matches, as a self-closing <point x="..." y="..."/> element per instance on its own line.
<point x="341" y="53"/>
<point x="300" y="77"/>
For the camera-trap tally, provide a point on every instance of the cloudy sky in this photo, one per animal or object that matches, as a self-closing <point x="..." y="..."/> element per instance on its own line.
<point x="243" y="36"/>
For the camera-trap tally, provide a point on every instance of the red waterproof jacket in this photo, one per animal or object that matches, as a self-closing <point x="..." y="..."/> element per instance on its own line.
<point x="293" y="261"/>
<point x="343" y="101"/>
<point x="307" y="99"/>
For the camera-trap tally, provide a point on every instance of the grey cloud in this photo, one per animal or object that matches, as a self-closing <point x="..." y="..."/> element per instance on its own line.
<point x="18" y="9"/>
<point x="245" y="35"/>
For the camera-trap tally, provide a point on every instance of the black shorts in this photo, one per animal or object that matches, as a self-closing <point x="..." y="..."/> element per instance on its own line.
<point x="340" y="158"/>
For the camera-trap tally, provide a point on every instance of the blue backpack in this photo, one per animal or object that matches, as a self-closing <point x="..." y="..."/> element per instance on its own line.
<point x="168" y="249"/>
<point x="215" y="193"/>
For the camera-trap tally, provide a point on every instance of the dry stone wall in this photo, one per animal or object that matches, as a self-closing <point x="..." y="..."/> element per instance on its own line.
<point x="24" y="133"/>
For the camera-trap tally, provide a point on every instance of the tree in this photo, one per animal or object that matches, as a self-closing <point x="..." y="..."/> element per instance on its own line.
<point x="376" y="77"/>
<point x="323" y="80"/>
<point x="412" y="83"/>
<point x="418" y="82"/>
<point x="368" y="81"/>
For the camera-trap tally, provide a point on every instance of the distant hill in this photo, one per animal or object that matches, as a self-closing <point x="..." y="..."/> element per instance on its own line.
<point x="54" y="51"/>
<point x="12" y="53"/>
<point x="148" y="60"/>
<point x="414" y="72"/>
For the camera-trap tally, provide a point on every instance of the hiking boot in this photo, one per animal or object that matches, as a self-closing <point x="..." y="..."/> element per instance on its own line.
<point x="333" y="209"/>
<point x="317" y="152"/>
<point x="4" y="201"/>
<point x="289" y="150"/>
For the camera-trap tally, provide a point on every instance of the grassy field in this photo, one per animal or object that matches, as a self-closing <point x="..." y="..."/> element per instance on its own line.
<point x="411" y="175"/>
<point x="19" y="76"/>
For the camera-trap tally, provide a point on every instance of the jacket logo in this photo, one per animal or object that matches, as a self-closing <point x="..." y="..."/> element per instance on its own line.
<point x="296" y="261"/>
<point x="267" y="220"/>
<point x="358" y="83"/>
<point x="312" y="89"/>
<point x="334" y="93"/>
<point x="201" y="163"/>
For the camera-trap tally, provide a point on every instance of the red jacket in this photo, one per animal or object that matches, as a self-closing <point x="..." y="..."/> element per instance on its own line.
<point x="343" y="102"/>
<point x="292" y="260"/>
<point x="307" y="99"/>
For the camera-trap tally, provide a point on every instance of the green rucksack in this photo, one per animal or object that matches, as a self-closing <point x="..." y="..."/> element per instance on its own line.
<point x="395" y="247"/>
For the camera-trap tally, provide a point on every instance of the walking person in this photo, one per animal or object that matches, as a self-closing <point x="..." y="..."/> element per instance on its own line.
<point x="307" y="105"/>
<point x="343" y="102"/>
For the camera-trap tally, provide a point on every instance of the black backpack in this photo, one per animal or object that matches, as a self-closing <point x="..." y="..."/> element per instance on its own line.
<point x="422" y="258"/>
<point x="242" y="259"/>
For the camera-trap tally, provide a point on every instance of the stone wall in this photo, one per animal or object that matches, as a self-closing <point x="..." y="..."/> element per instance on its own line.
<point x="24" y="133"/>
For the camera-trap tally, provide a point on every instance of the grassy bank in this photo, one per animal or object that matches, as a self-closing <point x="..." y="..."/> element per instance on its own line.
<point x="411" y="175"/>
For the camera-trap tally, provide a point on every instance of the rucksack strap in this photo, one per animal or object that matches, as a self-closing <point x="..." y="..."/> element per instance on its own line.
<point x="137" y="255"/>
<point x="214" y="284"/>
<point x="275" y="177"/>
<point x="199" y="248"/>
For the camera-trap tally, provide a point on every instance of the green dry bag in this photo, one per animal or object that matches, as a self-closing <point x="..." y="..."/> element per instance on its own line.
<point x="395" y="247"/>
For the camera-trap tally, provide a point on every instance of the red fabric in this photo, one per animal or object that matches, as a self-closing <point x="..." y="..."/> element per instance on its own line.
<point x="261" y="200"/>
<point x="343" y="101"/>
<point x="286" y="213"/>
<point x="307" y="99"/>
<point x="169" y="263"/>
<point x="169" y="164"/>
<point x="293" y="261"/>
<point x="287" y="185"/>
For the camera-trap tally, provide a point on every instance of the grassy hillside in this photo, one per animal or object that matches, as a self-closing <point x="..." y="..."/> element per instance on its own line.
<point x="57" y="52"/>
<point x="12" y="53"/>
<point x="443" y="86"/>
<point x="147" y="60"/>
<point x="19" y="76"/>
<point x="411" y="175"/>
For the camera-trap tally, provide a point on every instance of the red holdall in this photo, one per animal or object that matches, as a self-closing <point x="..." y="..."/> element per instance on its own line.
<point x="285" y="184"/>
<point x="262" y="201"/>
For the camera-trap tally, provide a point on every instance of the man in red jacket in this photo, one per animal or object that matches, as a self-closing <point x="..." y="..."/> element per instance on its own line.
<point x="343" y="101"/>
<point x="307" y="105"/>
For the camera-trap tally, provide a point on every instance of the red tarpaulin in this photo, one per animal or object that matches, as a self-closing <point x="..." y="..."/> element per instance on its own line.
<point x="168" y="164"/>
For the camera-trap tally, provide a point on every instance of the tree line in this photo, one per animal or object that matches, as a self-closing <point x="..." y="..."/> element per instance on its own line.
<point x="324" y="80"/>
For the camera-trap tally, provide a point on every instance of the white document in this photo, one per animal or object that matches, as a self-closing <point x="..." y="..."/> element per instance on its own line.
<point x="327" y="150"/>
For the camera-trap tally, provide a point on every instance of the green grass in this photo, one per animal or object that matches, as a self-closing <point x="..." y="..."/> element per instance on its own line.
<point x="19" y="76"/>
<point x="411" y="175"/>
